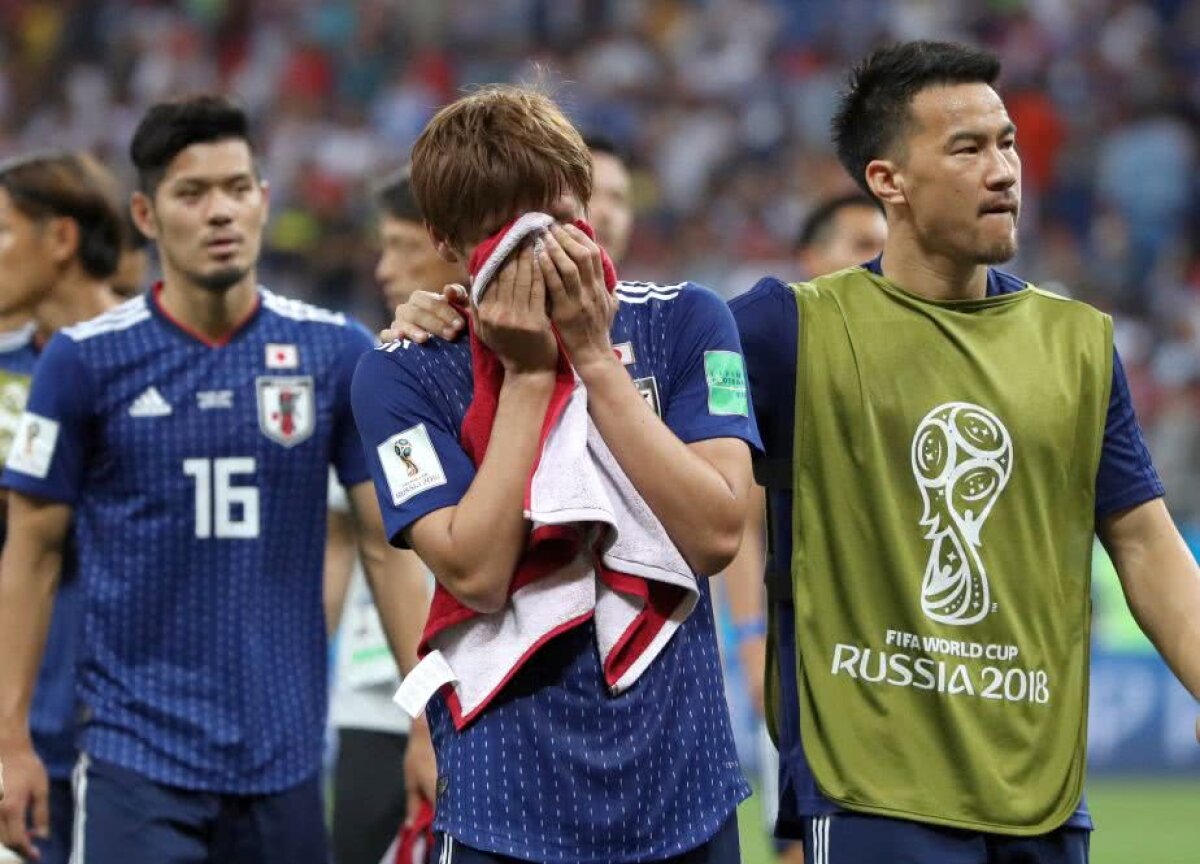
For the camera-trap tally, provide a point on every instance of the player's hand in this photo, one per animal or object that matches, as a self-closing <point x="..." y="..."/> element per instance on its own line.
<point x="420" y="769"/>
<point x="429" y="313"/>
<point x="26" y="800"/>
<point x="753" y="656"/>
<point x="581" y="306"/>
<point x="512" y="318"/>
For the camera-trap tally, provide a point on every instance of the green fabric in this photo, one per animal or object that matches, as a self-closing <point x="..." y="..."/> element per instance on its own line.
<point x="945" y="468"/>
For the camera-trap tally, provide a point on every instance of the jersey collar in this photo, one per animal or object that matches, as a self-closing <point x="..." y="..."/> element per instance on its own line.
<point x="997" y="282"/>
<point x="174" y="323"/>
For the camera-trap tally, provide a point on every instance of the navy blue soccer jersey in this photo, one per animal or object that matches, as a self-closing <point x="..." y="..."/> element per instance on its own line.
<point x="52" y="715"/>
<point x="767" y="320"/>
<point x="557" y="769"/>
<point x="198" y="475"/>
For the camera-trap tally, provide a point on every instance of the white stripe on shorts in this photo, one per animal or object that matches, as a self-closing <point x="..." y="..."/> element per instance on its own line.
<point x="79" y="786"/>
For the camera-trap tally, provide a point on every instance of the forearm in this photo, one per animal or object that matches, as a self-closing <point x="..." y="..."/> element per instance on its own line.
<point x="28" y="581"/>
<point x="1161" y="581"/>
<point x="488" y="532"/>
<point x="744" y="575"/>
<point x="397" y="581"/>
<point x="700" y="509"/>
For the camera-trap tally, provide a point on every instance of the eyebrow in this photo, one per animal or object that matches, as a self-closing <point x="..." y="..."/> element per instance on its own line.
<point x="1007" y="129"/>
<point x="209" y="180"/>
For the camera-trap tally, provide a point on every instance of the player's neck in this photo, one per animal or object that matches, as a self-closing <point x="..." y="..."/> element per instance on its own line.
<point x="212" y="314"/>
<point x="76" y="297"/>
<point x="934" y="277"/>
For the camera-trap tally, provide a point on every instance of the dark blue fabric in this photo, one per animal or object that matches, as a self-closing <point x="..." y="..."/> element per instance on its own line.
<point x="126" y="818"/>
<point x="854" y="838"/>
<point x="723" y="848"/>
<point x="52" y="715"/>
<point x="203" y="658"/>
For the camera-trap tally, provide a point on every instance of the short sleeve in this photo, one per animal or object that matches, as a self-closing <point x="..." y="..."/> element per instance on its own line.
<point x="709" y="396"/>
<point x="410" y="442"/>
<point x="768" y="326"/>
<point x="347" y="454"/>
<point x="48" y="455"/>
<point x="1126" y="476"/>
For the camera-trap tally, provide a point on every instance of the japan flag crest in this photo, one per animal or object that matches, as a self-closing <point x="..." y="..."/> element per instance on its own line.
<point x="286" y="408"/>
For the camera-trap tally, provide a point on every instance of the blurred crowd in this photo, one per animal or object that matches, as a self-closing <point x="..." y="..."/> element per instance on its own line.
<point x="722" y="107"/>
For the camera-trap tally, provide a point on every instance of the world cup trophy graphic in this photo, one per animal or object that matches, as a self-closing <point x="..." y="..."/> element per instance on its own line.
<point x="403" y="449"/>
<point x="962" y="457"/>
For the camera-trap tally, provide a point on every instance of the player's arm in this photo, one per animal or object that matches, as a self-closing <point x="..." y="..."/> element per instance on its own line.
<point x="29" y="572"/>
<point x="425" y="313"/>
<point x="340" y="552"/>
<point x="470" y="533"/>
<point x="1161" y="582"/>
<point x="473" y="547"/>
<point x="699" y="491"/>
<point x="745" y="593"/>
<point x="395" y="576"/>
<point x="44" y="475"/>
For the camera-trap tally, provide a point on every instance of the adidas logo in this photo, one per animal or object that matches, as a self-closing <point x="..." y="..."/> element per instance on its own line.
<point x="150" y="404"/>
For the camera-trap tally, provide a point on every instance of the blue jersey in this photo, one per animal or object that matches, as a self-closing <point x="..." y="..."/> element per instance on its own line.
<point x="198" y="474"/>
<point x="52" y="716"/>
<point x="767" y="320"/>
<point x="557" y="769"/>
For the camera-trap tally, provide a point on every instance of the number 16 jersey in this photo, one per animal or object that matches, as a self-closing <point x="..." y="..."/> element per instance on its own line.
<point x="198" y="476"/>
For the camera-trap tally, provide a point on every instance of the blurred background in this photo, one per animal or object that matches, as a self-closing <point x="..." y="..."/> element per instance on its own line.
<point x="722" y="107"/>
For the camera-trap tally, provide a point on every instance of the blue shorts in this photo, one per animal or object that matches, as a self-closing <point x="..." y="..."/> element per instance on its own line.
<point x="56" y="849"/>
<point x="122" y="817"/>
<point x="722" y="848"/>
<point x="855" y="838"/>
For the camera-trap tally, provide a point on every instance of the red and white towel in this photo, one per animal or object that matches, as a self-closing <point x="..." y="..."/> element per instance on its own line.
<point x="596" y="550"/>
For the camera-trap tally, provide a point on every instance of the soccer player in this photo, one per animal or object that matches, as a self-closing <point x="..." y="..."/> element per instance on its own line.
<point x="949" y="438"/>
<point x="839" y="232"/>
<point x="610" y="209"/>
<point x="59" y="242"/>
<point x="369" y="799"/>
<point x="130" y="278"/>
<point x="187" y="434"/>
<point x="558" y="769"/>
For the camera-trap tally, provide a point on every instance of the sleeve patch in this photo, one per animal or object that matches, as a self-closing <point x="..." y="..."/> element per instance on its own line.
<point x="725" y="373"/>
<point x="33" y="445"/>
<point x="410" y="464"/>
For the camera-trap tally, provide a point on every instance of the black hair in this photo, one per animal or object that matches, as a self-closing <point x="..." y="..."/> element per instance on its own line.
<point x="47" y="185"/>
<point x="168" y="128"/>
<point x="604" y="144"/>
<point x="820" y="220"/>
<point x="873" y="112"/>
<point x="394" y="196"/>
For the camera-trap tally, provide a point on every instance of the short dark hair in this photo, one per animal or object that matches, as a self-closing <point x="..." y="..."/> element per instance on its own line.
<point x="816" y="227"/>
<point x="604" y="144"/>
<point x="395" y="198"/>
<point x="873" y="112"/>
<point x="49" y="185"/>
<point x="171" y="127"/>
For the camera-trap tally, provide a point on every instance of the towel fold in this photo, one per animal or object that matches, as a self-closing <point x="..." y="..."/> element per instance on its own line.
<point x="596" y="551"/>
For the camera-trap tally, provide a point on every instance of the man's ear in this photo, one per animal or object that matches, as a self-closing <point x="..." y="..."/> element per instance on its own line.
<point x="62" y="235"/>
<point x="442" y="246"/>
<point x="886" y="180"/>
<point x="142" y="211"/>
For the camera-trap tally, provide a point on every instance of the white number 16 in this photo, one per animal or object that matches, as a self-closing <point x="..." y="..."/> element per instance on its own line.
<point x="216" y="475"/>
